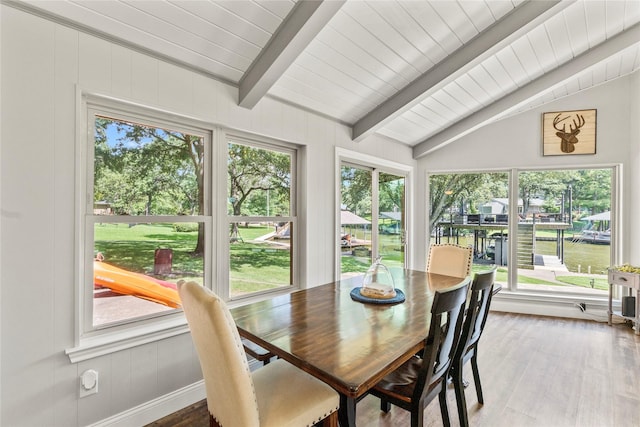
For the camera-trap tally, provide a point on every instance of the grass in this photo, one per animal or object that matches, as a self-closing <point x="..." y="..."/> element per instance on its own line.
<point x="253" y="266"/>
<point x="133" y="247"/>
<point x="258" y="266"/>
<point x="585" y="282"/>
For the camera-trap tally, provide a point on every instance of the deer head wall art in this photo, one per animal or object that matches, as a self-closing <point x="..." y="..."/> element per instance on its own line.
<point x="569" y="132"/>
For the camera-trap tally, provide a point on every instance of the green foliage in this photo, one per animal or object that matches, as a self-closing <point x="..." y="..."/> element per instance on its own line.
<point x="449" y="192"/>
<point x="548" y="185"/>
<point x="355" y="190"/>
<point x="185" y="227"/>
<point x="592" y="191"/>
<point x="143" y="170"/>
<point x="256" y="174"/>
<point x="391" y="193"/>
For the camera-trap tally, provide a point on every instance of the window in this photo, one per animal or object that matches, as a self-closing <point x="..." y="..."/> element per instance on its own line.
<point x="146" y="216"/>
<point x="553" y="231"/>
<point x="261" y="217"/>
<point x="164" y="198"/>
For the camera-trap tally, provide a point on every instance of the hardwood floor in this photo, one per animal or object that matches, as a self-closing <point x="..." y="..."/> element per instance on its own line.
<point x="535" y="371"/>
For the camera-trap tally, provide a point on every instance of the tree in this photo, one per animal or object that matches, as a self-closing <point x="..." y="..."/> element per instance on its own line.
<point x="254" y="175"/>
<point x="355" y="190"/>
<point x="543" y="184"/>
<point x="592" y="190"/>
<point x="155" y="165"/>
<point x="447" y="191"/>
<point x="391" y="190"/>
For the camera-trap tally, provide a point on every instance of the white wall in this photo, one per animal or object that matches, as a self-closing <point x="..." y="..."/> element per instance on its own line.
<point x="632" y="187"/>
<point x="42" y="62"/>
<point x="515" y="142"/>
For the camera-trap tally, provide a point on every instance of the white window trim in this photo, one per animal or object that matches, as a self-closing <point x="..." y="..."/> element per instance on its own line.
<point x="89" y="341"/>
<point x="94" y="342"/>
<point x="540" y="300"/>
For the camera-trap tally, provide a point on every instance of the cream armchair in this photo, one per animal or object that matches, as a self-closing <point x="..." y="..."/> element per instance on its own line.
<point x="275" y="395"/>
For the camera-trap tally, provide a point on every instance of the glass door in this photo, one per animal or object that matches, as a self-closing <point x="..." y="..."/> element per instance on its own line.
<point x="363" y="235"/>
<point x="391" y="219"/>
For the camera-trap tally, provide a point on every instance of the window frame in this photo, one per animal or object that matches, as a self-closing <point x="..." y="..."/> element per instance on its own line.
<point x="294" y="151"/>
<point x="90" y="342"/>
<point x="511" y="291"/>
<point x="344" y="157"/>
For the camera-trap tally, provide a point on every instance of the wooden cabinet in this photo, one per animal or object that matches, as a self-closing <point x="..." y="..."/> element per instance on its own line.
<point x="629" y="283"/>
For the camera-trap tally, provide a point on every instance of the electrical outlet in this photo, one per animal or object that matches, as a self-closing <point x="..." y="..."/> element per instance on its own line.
<point x="88" y="382"/>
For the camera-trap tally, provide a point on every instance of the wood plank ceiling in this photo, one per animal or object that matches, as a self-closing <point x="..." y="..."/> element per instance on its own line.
<point x="419" y="72"/>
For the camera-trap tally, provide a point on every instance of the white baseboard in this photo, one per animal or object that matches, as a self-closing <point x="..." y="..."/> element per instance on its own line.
<point x="158" y="408"/>
<point x="568" y="309"/>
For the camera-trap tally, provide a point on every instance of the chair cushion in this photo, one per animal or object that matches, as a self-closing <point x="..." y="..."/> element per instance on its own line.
<point x="288" y="396"/>
<point x="400" y="383"/>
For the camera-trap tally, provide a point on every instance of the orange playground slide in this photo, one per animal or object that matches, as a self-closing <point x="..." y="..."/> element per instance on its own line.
<point x="129" y="283"/>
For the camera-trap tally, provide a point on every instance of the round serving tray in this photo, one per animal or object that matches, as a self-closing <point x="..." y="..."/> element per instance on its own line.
<point x="357" y="296"/>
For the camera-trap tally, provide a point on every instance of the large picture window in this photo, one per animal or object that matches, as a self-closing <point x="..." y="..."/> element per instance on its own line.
<point x="146" y="216"/>
<point x="554" y="231"/>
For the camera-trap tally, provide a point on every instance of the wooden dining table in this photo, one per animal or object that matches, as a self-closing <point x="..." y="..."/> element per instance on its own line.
<point x="348" y="344"/>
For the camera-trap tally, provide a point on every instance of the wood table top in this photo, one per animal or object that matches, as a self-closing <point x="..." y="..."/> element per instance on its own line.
<point x="348" y="344"/>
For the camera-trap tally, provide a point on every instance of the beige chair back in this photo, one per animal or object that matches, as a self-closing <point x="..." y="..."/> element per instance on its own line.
<point x="231" y="397"/>
<point x="450" y="260"/>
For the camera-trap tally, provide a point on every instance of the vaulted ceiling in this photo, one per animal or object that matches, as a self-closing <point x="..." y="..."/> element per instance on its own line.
<point x="422" y="73"/>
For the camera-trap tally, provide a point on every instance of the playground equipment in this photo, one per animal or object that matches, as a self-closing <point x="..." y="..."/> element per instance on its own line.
<point x="126" y="282"/>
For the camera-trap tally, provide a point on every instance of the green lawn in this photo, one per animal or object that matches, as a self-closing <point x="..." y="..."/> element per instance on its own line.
<point x="253" y="266"/>
<point x="133" y="247"/>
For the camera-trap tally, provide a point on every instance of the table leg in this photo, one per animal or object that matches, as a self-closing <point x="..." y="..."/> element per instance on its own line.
<point x="347" y="411"/>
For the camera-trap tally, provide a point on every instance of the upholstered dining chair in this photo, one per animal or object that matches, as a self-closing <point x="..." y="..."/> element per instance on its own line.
<point x="482" y="290"/>
<point x="450" y="259"/>
<point x="275" y="395"/>
<point x="419" y="380"/>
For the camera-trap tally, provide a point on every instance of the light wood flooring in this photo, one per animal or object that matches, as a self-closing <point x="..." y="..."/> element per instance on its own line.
<point x="535" y="371"/>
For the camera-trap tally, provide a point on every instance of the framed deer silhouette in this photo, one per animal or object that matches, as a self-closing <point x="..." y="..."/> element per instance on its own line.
<point x="569" y="132"/>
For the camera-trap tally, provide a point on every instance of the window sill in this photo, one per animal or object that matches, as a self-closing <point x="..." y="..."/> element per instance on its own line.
<point x="104" y="343"/>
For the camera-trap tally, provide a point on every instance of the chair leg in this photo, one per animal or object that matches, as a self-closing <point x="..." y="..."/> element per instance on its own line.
<point x="476" y="377"/>
<point x="461" y="402"/>
<point x="385" y="406"/>
<point x="213" y="422"/>
<point x="417" y="416"/>
<point x="442" y="397"/>
<point x="331" y="420"/>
